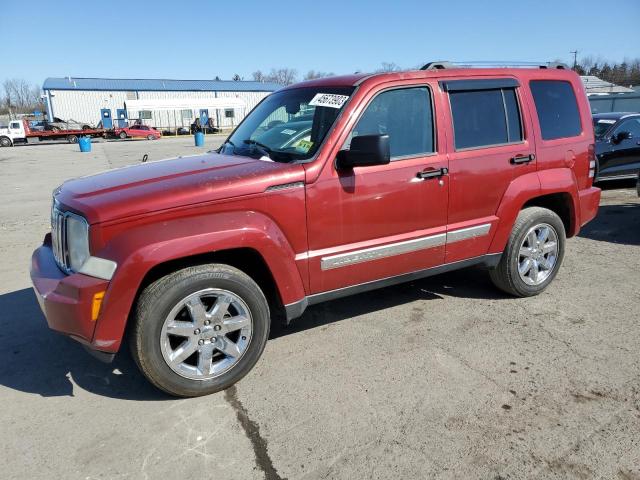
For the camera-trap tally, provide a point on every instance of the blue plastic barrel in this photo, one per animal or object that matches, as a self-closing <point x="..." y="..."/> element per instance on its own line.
<point x="85" y="144"/>
<point x="199" y="136"/>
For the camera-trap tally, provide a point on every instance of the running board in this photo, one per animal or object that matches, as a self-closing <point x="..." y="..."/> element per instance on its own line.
<point x="296" y="309"/>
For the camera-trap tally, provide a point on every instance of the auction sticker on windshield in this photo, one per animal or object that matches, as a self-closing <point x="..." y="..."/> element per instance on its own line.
<point x="330" y="100"/>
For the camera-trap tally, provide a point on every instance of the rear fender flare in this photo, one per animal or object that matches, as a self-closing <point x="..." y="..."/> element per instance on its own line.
<point x="528" y="187"/>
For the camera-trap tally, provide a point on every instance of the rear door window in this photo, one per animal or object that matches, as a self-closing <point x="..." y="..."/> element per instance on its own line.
<point x="487" y="117"/>
<point x="557" y="109"/>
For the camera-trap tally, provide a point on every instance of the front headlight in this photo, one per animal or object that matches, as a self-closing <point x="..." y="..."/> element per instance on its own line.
<point x="77" y="241"/>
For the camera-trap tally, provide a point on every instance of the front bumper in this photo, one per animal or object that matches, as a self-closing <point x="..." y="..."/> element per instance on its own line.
<point x="66" y="300"/>
<point x="589" y="204"/>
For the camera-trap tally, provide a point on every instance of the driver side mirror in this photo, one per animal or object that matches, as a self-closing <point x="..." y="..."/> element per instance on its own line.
<point x="365" y="150"/>
<point x="620" y="136"/>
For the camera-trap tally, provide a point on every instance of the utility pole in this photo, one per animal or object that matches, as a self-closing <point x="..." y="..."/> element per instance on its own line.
<point x="575" y="58"/>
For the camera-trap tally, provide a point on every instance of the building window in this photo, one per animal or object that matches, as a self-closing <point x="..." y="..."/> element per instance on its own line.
<point x="229" y="113"/>
<point x="144" y="114"/>
<point x="186" y="113"/>
<point x="132" y="96"/>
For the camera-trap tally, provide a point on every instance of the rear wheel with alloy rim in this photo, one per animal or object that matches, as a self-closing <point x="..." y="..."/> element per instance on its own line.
<point x="199" y="330"/>
<point x="533" y="254"/>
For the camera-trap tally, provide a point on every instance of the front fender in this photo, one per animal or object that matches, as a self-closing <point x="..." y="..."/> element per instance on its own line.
<point x="139" y="249"/>
<point x="528" y="187"/>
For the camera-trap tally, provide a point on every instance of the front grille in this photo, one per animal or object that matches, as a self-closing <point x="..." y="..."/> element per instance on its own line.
<point x="59" y="238"/>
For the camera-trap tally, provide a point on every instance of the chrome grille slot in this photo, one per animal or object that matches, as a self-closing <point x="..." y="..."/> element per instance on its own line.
<point x="58" y="238"/>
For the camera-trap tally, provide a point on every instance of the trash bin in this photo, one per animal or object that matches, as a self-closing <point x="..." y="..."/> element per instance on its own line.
<point x="199" y="136"/>
<point x="85" y="144"/>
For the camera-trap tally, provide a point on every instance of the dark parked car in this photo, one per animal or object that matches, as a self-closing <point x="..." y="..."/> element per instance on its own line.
<point x="617" y="145"/>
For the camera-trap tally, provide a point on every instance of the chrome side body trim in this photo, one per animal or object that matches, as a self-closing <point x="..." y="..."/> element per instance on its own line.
<point x="373" y="253"/>
<point x="296" y="309"/>
<point x="468" y="233"/>
<point x="406" y="246"/>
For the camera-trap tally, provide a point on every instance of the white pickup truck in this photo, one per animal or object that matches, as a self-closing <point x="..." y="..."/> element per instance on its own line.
<point x="14" y="131"/>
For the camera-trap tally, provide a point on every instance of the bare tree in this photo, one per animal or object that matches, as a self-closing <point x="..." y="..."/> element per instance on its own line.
<point x="389" y="67"/>
<point x="20" y="96"/>
<point x="258" y="76"/>
<point x="283" y="76"/>
<point x="625" y="73"/>
<point x="236" y="78"/>
<point x="311" y="74"/>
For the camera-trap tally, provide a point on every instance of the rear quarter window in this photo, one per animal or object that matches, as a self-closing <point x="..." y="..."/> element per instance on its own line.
<point x="557" y="109"/>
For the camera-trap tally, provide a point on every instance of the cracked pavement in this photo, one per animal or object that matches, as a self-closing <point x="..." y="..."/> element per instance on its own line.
<point x="439" y="378"/>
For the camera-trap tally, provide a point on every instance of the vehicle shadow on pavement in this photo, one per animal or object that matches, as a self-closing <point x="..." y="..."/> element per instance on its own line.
<point x="34" y="359"/>
<point x="616" y="224"/>
<point x="470" y="282"/>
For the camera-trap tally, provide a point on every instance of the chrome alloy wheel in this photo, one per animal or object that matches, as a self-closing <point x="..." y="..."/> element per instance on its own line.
<point x="538" y="254"/>
<point x="206" y="334"/>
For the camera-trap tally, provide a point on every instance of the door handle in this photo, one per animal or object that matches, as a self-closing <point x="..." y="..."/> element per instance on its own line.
<point x="522" y="159"/>
<point x="433" y="173"/>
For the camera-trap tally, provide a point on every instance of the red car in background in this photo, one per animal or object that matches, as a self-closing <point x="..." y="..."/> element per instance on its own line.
<point x="136" y="131"/>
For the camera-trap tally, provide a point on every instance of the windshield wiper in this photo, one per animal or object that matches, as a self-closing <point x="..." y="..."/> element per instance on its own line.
<point x="266" y="148"/>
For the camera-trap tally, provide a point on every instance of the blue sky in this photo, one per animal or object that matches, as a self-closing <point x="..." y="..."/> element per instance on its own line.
<point x="199" y="40"/>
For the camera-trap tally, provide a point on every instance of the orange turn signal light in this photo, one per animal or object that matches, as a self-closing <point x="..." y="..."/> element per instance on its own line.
<point x="96" y="304"/>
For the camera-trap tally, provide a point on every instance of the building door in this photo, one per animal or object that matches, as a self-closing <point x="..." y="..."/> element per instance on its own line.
<point x="122" y="117"/>
<point x="105" y="115"/>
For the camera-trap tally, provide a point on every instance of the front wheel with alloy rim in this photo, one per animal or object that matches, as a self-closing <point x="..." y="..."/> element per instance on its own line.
<point x="199" y="330"/>
<point x="5" y="142"/>
<point x="533" y="254"/>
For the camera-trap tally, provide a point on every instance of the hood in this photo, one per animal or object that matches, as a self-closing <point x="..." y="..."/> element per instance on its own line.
<point x="156" y="186"/>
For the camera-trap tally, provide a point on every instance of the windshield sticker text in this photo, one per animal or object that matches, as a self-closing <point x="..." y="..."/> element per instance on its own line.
<point x="304" y="145"/>
<point x="330" y="100"/>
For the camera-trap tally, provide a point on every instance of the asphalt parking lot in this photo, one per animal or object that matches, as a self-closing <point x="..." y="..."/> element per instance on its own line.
<point x="439" y="378"/>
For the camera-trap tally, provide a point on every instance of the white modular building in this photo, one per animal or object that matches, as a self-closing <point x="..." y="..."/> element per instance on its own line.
<point x="164" y="104"/>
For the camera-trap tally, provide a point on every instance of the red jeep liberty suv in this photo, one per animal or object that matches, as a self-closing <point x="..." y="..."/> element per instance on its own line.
<point x="327" y="188"/>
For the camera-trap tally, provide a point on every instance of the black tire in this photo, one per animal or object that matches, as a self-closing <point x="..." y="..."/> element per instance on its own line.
<point x="5" y="142"/>
<point x="86" y="127"/>
<point x="72" y="139"/>
<point x="122" y="135"/>
<point x="157" y="301"/>
<point x="150" y="137"/>
<point x="505" y="276"/>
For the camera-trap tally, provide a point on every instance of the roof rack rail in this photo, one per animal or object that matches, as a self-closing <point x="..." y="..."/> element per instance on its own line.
<point x="443" y="64"/>
<point x="439" y="65"/>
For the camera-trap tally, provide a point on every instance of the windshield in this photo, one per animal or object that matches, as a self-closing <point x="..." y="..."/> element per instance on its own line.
<point x="601" y="125"/>
<point x="288" y="125"/>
